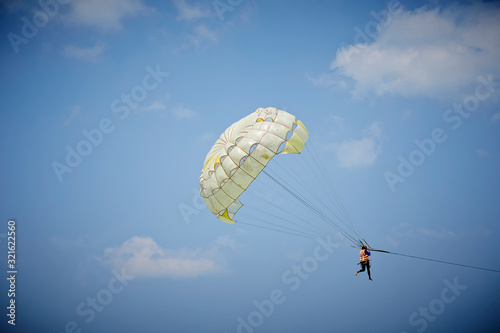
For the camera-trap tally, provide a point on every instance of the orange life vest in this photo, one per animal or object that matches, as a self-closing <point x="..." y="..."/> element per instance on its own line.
<point x="363" y="256"/>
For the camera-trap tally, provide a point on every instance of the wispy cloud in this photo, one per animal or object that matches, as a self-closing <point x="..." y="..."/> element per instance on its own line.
<point x="155" y="106"/>
<point x="360" y="152"/>
<point x="188" y="12"/>
<point x="143" y="257"/>
<point x="178" y="111"/>
<point x="427" y="52"/>
<point x="204" y="33"/>
<point x="106" y="15"/>
<point x="90" y="54"/>
<point x="200" y="35"/>
<point x="182" y="112"/>
<point x="353" y="153"/>
<point x="226" y="241"/>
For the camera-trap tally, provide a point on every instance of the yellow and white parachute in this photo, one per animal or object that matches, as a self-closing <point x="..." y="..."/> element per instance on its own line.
<point x="242" y="152"/>
<point x="301" y="202"/>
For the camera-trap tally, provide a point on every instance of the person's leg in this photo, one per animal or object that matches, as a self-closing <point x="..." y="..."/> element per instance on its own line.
<point x="368" y="269"/>
<point x="362" y="268"/>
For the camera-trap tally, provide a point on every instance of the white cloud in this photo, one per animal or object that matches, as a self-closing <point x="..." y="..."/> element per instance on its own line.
<point x="182" y="112"/>
<point x="374" y="130"/>
<point x="202" y="33"/>
<point x="429" y="52"/>
<point x="226" y="241"/>
<point x="189" y="12"/>
<point x="360" y="152"/>
<point x="154" y="106"/>
<point x="90" y="54"/>
<point x="106" y="15"/>
<point x="143" y="257"/>
<point x="356" y="153"/>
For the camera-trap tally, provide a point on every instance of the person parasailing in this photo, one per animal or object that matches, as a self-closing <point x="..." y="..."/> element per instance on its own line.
<point x="364" y="261"/>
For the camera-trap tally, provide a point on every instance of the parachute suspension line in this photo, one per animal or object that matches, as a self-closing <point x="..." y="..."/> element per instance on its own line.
<point x="365" y="242"/>
<point x="322" y="178"/>
<point x="297" y="230"/>
<point x="311" y="191"/>
<point x="328" y="182"/>
<point x="294" y="220"/>
<point x="276" y="206"/>
<point x="290" y="231"/>
<point x="289" y="221"/>
<point x="316" y="158"/>
<point x="332" y="190"/>
<point x="305" y="202"/>
<point x="323" y="181"/>
<point x="440" y="261"/>
<point x="289" y="190"/>
<point x="281" y="228"/>
<point x="315" y="209"/>
<point x="311" y="207"/>
<point x="287" y="232"/>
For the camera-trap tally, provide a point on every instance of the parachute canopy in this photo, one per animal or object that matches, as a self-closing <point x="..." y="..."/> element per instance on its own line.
<point x="242" y="152"/>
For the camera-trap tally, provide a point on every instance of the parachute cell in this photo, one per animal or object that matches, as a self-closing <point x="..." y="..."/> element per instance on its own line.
<point x="242" y="152"/>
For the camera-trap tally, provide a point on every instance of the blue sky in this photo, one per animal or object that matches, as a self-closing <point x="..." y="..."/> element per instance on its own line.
<point x="109" y="107"/>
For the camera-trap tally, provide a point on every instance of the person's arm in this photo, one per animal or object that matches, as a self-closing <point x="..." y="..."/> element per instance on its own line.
<point x="367" y="251"/>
